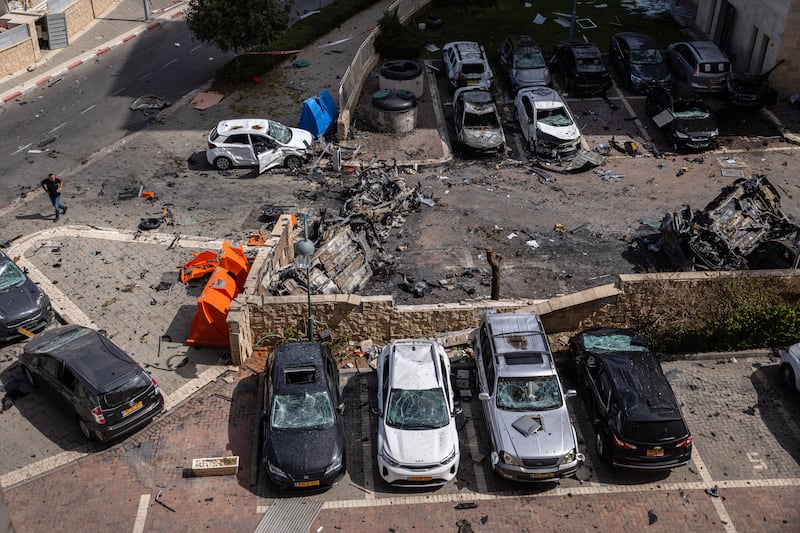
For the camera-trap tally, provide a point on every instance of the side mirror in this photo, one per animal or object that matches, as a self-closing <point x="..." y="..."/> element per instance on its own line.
<point x="340" y="408"/>
<point x="458" y="411"/>
<point x="375" y="411"/>
<point x="484" y="396"/>
<point x="571" y="393"/>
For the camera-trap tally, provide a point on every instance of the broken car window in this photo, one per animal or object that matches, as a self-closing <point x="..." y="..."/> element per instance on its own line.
<point x="554" y="117"/>
<point x="298" y="411"/>
<point x="528" y="394"/>
<point x="613" y="343"/>
<point x="279" y="132"/>
<point x="10" y="276"/>
<point x="528" y="59"/>
<point x="417" y="409"/>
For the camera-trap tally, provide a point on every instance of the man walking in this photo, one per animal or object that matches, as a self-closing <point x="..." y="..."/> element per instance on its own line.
<point x="52" y="186"/>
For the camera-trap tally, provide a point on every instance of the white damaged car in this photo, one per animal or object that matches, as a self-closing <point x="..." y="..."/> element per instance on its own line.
<point x="790" y="367"/>
<point x="417" y="435"/>
<point x="547" y="123"/>
<point x="258" y="142"/>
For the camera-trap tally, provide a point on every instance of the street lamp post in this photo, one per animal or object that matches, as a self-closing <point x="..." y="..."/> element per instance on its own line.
<point x="572" y="22"/>
<point x="303" y="254"/>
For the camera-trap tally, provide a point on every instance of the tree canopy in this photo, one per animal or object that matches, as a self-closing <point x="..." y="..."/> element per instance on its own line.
<point x="238" y="25"/>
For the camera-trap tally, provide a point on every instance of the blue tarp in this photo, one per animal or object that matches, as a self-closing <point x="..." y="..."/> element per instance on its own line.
<point x="319" y="112"/>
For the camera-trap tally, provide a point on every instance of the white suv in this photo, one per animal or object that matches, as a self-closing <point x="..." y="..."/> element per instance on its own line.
<point x="257" y="142"/>
<point x="417" y="436"/>
<point x="466" y="64"/>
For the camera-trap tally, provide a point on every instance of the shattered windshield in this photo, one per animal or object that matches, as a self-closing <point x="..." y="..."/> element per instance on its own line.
<point x="528" y="59"/>
<point x="279" y="132"/>
<point x="297" y="411"/>
<point x="10" y="276"/>
<point x="417" y="409"/>
<point x="481" y="121"/>
<point x="613" y="343"/>
<point x="690" y="110"/>
<point x="646" y="56"/>
<point x="528" y="394"/>
<point x="554" y="117"/>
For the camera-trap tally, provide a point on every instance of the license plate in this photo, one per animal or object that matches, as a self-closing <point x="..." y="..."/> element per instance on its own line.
<point x="313" y="483"/>
<point x="542" y="476"/>
<point x="420" y="478"/>
<point x="655" y="452"/>
<point x="132" y="408"/>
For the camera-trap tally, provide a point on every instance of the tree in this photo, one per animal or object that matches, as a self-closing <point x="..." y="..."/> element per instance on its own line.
<point x="238" y="24"/>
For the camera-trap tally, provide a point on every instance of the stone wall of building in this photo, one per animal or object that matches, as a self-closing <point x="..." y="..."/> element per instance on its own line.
<point x="19" y="56"/>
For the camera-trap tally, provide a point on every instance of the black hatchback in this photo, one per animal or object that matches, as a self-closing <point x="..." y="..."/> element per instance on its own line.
<point x="637" y="421"/>
<point x="304" y="446"/>
<point x="109" y="392"/>
<point x="24" y="307"/>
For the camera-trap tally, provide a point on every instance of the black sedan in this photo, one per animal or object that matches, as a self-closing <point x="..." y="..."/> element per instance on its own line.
<point x="686" y="121"/>
<point x="638" y="423"/>
<point x="24" y="307"/>
<point x="108" y="391"/>
<point x="304" y="445"/>
<point x="639" y="61"/>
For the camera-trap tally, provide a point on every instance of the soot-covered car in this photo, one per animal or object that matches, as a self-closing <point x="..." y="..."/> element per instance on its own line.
<point x="686" y="121"/>
<point x="477" y="121"/>
<point x="638" y="422"/>
<point x="582" y="68"/>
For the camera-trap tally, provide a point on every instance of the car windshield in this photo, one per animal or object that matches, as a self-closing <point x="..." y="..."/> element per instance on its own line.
<point x="528" y="59"/>
<point x="618" y="342"/>
<point x="417" y="409"/>
<point x="646" y="56"/>
<point x="590" y="64"/>
<point x="134" y="387"/>
<point x="528" y="393"/>
<point x="481" y="121"/>
<point x="472" y="68"/>
<point x="690" y="110"/>
<point x="556" y="116"/>
<point x="279" y="132"/>
<point x="298" y="411"/>
<point x="10" y="276"/>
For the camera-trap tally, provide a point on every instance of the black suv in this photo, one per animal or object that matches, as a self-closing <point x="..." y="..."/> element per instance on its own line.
<point x="109" y="392"/>
<point x="24" y="307"/>
<point x="304" y="445"/>
<point x="582" y="68"/>
<point x="638" y="423"/>
<point x="639" y="61"/>
<point x="686" y="120"/>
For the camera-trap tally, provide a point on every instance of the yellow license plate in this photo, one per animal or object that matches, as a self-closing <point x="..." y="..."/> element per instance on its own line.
<point x="132" y="408"/>
<point x="655" y="452"/>
<point x="314" y="483"/>
<point x="541" y="476"/>
<point x="420" y="478"/>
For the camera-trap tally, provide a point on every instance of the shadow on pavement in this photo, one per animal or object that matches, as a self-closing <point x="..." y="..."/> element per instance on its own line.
<point x="778" y="407"/>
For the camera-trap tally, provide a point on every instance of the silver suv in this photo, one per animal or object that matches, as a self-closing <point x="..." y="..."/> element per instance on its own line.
<point x="525" y="408"/>
<point x="466" y="64"/>
<point x="701" y="64"/>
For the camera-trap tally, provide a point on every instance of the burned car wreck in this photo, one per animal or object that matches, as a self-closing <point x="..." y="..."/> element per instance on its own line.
<point x="743" y="228"/>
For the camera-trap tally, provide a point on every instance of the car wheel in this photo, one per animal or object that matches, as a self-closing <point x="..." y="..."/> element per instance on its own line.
<point x="29" y="376"/>
<point x="292" y="162"/>
<point x="222" y="163"/>
<point x="85" y="431"/>
<point x="601" y="445"/>
<point x="787" y="376"/>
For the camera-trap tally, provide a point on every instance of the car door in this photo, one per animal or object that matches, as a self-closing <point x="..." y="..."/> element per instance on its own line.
<point x="73" y="391"/>
<point x="266" y="152"/>
<point x="49" y="369"/>
<point x="679" y="56"/>
<point x="525" y="117"/>
<point x="487" y="374"/>
<point x="616" y="54"/>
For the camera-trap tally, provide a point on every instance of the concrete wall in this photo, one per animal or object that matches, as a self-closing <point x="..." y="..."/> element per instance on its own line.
<point x="20" y="55"/>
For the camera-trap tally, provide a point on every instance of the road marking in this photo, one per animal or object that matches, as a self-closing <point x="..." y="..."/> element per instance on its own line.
<point x="141" y="513"/>
<point x="146" y="76"/>
<point x="636" y="120"/>
<point x="170" y="62"/>
<point x="115" y="93"/>
<point x="88" y="109"/>
<point x="756" y="461"/>
<point x="58" y="127"/>
<point x="22" y="148"/>
<point x="474" y="449"/>
<point x="366" y="445"/>
<point x="196" y="48"/>
<point x="708" y="480"/>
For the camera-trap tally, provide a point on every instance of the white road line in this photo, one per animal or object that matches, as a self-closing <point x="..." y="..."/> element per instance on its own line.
<point x="22" y="148"/>
<point x="169" y="63"/>
<point x="716" y="502"/>
<point x="115" y="93"/>
<point x="58" y="127"/>
<point x="146" y="76"/>
<point x="636" y="121"/>
<point x="141" y="513"/>
<point x="196" y="48"/>
<point x="474" y="450"/>
<point x="366" y="446"/>
<point x="88" y="109"/>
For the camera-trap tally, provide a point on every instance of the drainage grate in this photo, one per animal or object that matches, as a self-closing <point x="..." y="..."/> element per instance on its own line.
<point x="289" y="516"/>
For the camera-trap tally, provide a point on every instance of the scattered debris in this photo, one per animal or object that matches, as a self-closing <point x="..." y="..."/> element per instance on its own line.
<point x="464" y="526"/>
<point x="651" y="517"/>
<point x="713" y="491"/>
<point x="149" y="102"/>
<point x="162" y="504"/>
<point x="466" y="505"/>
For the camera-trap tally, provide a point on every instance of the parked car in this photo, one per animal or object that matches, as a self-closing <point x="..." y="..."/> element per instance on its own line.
<point x="751" y="90"/>
<point x="790" y="367"/>
<point x="417" y="435"/>
<point x="582" y="68"/>
<point x="466" y="64"/>
<point x="110" y="394"/>
<point x="638" y="422"/>
<point x="257" y="142"/>
<point x="546" y="122"/>
<point x="304" y="446"/>
<point x="639" y="61"/>
<point x="477" y="120"/>
<point x="686" y="121"/>
<point x="701" y="64"/>
<point x="522" y="61"/>
<point x="24" y="307"/>
<point x="524" y="405"/>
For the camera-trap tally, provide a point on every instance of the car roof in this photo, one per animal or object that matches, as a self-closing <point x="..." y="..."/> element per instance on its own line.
<point x="708" y="50"/>
<point x="412" y="361"/>
<point x="81" y="355"/>
<point x="543" y="97"/>
<point x="582" y="50"/>
<point x="520" y="343"/>
<point x="637" y="40"/>
<point x="467" y="50"/>
<point x="243" y="125"/>
<point x="295" y="356"/>
<point x="523" y="41"/>
<point x="476" y="96"/>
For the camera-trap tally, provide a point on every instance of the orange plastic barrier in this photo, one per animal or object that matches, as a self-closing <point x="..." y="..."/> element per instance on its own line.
<point x="202" y="264"/>
<point x="210" y="327"/>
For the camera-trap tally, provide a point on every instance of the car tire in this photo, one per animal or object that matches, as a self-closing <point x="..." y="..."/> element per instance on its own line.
<point x="292" y="162"/>
<point x="787" y="376"/>
<point x="85" y="431"/>
<point x="601" y="445"/>
<point x="147" y="224"/>
<point x="222" y="163"/>
<point x="29" y="377"/>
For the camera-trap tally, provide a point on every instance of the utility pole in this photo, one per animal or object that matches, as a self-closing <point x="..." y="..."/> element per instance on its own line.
<point x="572" y="23"/>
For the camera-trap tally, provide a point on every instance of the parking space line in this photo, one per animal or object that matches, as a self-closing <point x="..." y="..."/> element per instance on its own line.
<point x="366" y="446"/>
<point x="708" y="480"/>
<point x="141" y="513"/>
<point x="636" y="119"/>
<point x="474" y="449"/>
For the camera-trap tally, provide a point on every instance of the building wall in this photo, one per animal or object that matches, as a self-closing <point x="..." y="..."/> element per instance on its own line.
<point x="20" y="56"/>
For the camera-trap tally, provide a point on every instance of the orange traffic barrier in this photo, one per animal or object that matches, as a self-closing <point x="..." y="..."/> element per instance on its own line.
<point x="256" y="239"/>
<point x="202" y="264"/>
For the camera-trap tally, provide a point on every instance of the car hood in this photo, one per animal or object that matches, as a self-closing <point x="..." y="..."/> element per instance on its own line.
<point x="564" y="133"/>
<point x="302" y="451"/>
<point x="19" y="302"/>
<point x="554" y="439"/>
<point x="529" y="77"/>
<point x="482" y="139"/>
<point x="696" y="127"/>
<point x="653" y="73"/>
<point x="301" y="139"/>
<point x="421" y="446"/>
